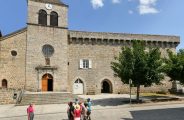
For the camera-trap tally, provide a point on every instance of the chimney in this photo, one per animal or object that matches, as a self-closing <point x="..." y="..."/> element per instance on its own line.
<point x="0" y="34"/>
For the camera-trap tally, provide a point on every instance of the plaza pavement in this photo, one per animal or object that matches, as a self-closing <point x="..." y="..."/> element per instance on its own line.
<point x="105" y="107"/>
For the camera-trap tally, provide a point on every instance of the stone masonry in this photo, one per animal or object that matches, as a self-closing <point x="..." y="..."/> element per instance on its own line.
<point x="27" y="68"/>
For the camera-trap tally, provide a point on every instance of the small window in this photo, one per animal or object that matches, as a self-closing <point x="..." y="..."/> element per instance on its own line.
<point x="4" y="83"/>
<point x="14" y="53"/>
<point x="85" y="64"/>
<point x="42" y="17"/>
<point x="53" y="19"/>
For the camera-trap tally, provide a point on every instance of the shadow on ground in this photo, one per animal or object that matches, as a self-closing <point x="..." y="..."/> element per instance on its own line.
<point x="158" y="114"/>
<point x="122" y="101"/>
<point x="110" y="101"/>
<point x="155" y="98"/>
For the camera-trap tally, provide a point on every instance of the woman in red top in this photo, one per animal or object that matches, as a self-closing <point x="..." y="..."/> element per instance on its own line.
<point x="77" y="113"/>
<point x="30" y="112"/>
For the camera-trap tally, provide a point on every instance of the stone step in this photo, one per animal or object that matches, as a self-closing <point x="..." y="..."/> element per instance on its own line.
<point x="39" y="98"/>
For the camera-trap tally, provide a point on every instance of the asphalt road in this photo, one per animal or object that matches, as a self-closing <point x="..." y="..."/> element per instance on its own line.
<point x="140" y="112"/>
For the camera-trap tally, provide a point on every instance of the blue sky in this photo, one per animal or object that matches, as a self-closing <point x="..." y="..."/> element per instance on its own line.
<point x="164" y="17"/>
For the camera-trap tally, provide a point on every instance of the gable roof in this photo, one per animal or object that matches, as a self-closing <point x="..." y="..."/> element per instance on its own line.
<point x="13" y="33"/>
<point x="57" y="2"/>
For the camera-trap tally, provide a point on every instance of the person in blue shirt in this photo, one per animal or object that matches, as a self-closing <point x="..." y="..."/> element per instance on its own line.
<point x="89" y="109"/>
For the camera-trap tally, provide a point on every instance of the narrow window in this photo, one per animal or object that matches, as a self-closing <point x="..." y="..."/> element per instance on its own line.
<point x="42" y="18"/>
<point x="4" y="83"/>
<point x="53" y="19"/>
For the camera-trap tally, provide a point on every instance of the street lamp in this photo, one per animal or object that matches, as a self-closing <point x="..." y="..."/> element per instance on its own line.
<point x="130" y="84"/>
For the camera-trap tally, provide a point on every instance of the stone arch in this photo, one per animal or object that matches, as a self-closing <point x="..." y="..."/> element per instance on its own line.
<point x="42" y="17"/>
<point x="53" y="18"/>
<point x="4" y="83"/>
<point x="106" y="86"/>
<point x="47" y="82"/>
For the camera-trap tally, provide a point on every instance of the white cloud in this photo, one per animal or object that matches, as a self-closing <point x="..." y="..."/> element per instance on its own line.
<point x="97" y="3"/>
<point x="116" y="1"/>
<point x="147" y="7"/>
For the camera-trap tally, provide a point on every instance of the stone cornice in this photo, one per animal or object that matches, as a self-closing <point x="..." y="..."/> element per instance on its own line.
<point x="122" y="36"/>
<point x="47" y="26"/>
<point x="55" y="2"/>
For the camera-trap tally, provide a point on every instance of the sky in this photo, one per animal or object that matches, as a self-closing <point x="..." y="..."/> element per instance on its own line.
<point x="163" y="17"/>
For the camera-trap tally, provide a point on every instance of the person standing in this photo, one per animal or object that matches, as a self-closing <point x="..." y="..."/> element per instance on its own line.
<point x="85" y="111"/>
<point x="77" y="113"/>
<point x="81" y="104"/>
<point x="89" y="109"/>
<point x="70" y="111"/>
<point x="30" y="112"/>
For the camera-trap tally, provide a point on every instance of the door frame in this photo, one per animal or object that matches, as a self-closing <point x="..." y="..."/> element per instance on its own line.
<point x="47" y="77"/>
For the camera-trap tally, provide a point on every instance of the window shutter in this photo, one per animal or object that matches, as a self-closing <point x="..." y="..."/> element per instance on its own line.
<point x="90" y="64"/>
<point x="81" y="63"/>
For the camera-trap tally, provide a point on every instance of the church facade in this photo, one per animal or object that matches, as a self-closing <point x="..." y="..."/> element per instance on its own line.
<point x="47" y="56"/>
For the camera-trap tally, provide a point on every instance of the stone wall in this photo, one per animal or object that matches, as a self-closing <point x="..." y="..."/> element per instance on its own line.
<point x="101" y="57"/>
<point x="101" y="48"/>
<point x="7" y="96"/>
<point x="12" y="68"/>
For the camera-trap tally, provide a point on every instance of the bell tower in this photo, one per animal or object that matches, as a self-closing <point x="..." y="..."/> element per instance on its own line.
<point x="47" y="45"/>
<point x="51" y="13"/>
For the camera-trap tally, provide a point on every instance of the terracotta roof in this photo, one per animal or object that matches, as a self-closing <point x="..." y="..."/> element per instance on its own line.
<point x="58" y="2"/>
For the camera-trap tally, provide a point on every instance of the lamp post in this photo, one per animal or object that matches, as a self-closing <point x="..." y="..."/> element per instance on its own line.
<point x="130" y="83"/>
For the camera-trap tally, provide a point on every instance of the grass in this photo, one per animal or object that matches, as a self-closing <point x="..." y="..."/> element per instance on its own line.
<point x="153" y="94"/>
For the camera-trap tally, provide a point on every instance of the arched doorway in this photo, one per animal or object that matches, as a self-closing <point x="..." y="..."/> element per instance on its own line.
<point x="106" y="86"/>
<point x="78" y="87"/>
<point x="47" y="82"/>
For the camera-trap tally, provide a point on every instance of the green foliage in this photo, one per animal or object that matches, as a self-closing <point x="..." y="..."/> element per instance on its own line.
<point x="154" y="67"/>
<point x="174" y="66"/>
<point x="124" y="67"/>
<point x="143" y="68"/>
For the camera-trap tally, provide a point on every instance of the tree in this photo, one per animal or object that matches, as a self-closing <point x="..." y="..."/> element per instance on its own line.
<point x="174" y="66"/>
<point x="142" y="67"/>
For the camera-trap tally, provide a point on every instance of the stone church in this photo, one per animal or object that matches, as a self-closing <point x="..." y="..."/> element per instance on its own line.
<point x="47" y="56"/>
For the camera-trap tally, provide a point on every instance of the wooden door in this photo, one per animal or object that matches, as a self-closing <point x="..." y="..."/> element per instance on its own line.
<point x="78" y="88"/>
<point x="44" y="84"/>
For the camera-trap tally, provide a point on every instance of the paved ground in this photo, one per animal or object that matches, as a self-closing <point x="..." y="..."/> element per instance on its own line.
<point x="105" y="107"/>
